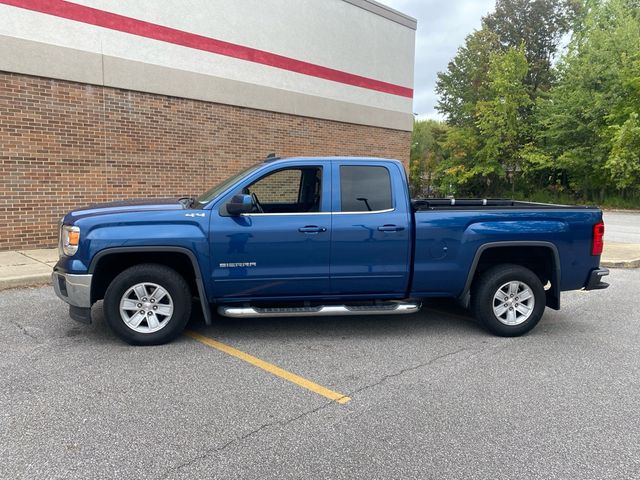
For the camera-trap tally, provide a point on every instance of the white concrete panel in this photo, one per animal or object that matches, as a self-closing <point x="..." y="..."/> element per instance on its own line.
<point x="158" y="53"/>
<point x="156" y="79"/>
<point x="21" y="23"/>
<point x="331" y="33"/>
<point x="45" y="59"/>
<point x="70" y="34"/>
<point x="55" y="62"/>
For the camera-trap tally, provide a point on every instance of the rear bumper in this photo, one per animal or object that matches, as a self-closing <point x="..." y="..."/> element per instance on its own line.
<point x="595" y="279"/>
<point x="73" y="289"/>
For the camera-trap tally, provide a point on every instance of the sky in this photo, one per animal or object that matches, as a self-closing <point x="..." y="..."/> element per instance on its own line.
<point x="442" y="28"/>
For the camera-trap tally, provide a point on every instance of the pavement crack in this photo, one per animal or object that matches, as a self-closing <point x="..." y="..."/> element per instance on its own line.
<point x="24" y="330"/>
<point x="264" y="426"/>
<point x="286" y="422"/>
<point x="401" y="372"/>
<point x="32" y="258"/>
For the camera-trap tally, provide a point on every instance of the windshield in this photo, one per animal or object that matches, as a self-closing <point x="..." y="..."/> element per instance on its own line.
<point x="209" y="195"/>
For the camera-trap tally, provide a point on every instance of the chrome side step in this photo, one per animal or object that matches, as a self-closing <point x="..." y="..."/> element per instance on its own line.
<point x="391" y="308"/>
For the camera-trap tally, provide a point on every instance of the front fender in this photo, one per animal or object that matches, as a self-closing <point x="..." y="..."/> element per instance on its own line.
<point x="140" y="229"/>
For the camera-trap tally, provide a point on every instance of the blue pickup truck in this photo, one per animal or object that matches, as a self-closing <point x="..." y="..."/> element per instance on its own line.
<point x="321" y="236"/>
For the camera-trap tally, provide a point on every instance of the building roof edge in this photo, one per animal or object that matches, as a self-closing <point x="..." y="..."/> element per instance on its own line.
<point x="386" y="12"/>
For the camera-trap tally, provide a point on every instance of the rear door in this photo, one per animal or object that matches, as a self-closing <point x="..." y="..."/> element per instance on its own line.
<point x="371" y="230"/>
<point x="282" y="250"/>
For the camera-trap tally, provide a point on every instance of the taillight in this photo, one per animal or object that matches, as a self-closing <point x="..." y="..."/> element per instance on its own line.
<point x="598" y="239"/>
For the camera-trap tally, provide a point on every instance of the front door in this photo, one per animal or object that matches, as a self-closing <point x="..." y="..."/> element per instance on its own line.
<point x="282" y="248"/>
<point x="371" y="232"/>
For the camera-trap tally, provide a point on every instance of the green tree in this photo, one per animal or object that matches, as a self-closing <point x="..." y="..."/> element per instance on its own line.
<point x="464" y="82"/>
<point x="480" y="157"/>
<point x="539" y="26"/>
<point x="460" y="174"/>
<point x="536" y="25"/>
<point x="623" y="163"/>
<point x="586" y="122"/>
<point x="426" y="153"/>
<point x="517" y="120"/>
<point x="502" y="120"/>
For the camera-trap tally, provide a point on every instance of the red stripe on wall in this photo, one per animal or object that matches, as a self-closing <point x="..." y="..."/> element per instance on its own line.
<point x="113" y="21"/>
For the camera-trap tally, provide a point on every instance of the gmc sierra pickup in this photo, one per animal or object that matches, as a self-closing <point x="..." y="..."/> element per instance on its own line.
<point x="321" y="236"/>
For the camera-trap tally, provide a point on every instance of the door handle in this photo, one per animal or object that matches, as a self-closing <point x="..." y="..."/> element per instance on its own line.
<point x="390" y="228"/>
<point x="312" y="229"/>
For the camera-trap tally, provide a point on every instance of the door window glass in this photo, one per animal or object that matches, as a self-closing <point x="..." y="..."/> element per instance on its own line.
<point x="364" y="188"/>
<point x="291" y="190"/>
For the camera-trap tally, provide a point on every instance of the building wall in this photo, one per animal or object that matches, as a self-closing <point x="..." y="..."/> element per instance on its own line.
<point x="345" y="60"/>
<point x="65" y="144"/>
<point x="103" y="100"/>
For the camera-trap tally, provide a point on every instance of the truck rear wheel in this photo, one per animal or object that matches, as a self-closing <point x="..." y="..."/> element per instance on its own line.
<point x="147" y="304"/>
<point x="508" y="299"/>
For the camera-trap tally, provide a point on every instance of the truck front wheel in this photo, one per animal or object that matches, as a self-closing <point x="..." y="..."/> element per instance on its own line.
<point x="147" y="304"/>
<point x="508" y="299"/>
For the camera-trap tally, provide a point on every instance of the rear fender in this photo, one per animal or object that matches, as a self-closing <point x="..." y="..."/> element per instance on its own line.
<point x="553" y="294"/>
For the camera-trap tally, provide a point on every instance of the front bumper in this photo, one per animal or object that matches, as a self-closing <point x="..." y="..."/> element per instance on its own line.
<point x="595" y="279"/>
<point x="72" y="288"/>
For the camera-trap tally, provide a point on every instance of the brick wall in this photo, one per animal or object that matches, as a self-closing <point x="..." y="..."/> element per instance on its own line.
<point x="64" y="145"/>
<point x="280" y="187"/>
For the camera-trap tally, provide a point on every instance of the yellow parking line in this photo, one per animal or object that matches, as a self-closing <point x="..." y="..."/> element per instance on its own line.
<point x="277" y="371"/>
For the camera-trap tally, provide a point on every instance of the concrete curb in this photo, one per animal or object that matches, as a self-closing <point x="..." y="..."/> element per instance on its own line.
<point x="26" y="268"/>
<point x="624" y="264"/>
<point x="620" y="255"/>
<point x="23" y="281"/>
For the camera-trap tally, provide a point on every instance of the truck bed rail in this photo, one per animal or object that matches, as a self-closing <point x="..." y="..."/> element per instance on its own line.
<point x="482" y="203"/>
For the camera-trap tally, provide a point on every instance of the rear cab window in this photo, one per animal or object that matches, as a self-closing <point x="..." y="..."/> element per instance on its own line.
<point x="365" y="188"/>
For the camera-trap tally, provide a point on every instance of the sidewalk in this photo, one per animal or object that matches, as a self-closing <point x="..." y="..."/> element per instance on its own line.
<point x="25" y="268"/>
<point x="620" y="255"/>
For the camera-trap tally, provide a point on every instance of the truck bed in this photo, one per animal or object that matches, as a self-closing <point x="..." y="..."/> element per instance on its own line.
<point x="449" y="234"/>
<point x="420" y="204"/>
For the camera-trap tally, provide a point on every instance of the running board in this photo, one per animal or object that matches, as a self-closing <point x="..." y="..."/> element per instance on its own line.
<point x="398" y="308"/>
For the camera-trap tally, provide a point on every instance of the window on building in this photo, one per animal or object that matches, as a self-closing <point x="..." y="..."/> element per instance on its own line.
<point x="364" y="189"/>
<point x="291" y="190"/>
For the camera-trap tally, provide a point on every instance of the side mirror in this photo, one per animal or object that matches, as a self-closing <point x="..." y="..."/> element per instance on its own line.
<point x="240" y="204"/>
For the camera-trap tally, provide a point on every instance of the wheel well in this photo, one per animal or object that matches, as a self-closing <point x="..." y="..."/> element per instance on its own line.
<point x="109" y="266"/>
<point x="541" y="260"/>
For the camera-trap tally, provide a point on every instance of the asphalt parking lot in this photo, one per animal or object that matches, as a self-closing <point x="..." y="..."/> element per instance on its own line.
<point x="432" y="396"/>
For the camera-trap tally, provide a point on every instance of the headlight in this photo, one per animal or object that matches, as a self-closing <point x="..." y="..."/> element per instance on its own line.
<point x="69" y="239"/>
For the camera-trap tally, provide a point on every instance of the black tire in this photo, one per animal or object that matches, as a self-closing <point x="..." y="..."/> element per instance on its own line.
<point x="168" y="279"/>
<point x="487" y="285"/>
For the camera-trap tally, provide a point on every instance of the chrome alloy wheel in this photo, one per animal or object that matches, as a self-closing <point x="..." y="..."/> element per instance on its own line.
<point x="146" y="307"/>
<point x="513" y="303"/>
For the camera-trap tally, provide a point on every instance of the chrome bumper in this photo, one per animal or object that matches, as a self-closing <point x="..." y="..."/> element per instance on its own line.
<point x="73" y="289"/>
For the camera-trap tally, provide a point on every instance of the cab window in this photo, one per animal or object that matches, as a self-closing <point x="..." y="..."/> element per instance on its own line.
<point x="364" y="188"/>
<point x="290" y="190"/>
